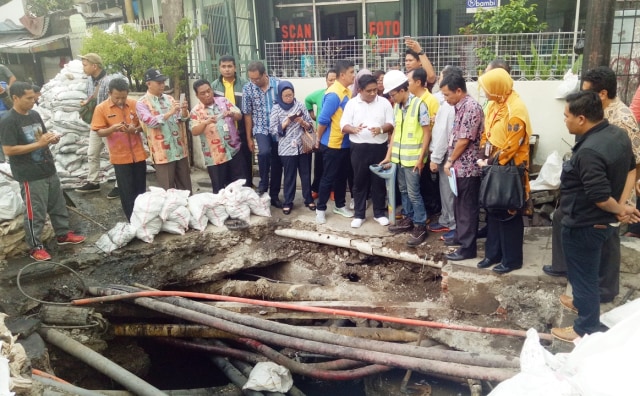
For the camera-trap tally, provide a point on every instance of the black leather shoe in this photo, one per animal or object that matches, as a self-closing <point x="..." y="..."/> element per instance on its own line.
<point x="275" y="202"/>
<point x="485" y="263"/>
<point x="503" y="269"/>
<point x="456" y="256"/>
<point x="451" y="242"/>
<point x="548" y="269"/>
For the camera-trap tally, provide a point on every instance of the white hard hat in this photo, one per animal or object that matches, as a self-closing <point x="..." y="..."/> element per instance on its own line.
<point x="392" y="80"/>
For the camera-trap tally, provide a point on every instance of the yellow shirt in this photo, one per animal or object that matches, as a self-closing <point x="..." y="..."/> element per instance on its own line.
<point x="432" y="103"/>
<point x="228" y="91"/>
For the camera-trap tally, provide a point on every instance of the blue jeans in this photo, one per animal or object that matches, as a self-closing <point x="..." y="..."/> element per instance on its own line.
<point x="269" y="165"/>
<point x="582" y="251"/>
<point x="412" y="203"/>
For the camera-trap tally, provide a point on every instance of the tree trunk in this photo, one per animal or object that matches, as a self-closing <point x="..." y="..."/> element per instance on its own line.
<point x="597" y="46"/>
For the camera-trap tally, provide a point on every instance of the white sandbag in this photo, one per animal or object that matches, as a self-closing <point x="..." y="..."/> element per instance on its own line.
<point x="177" y="222"/>
<point x="146" y="214"/>
<point x="68" y="138"/>
<point x="67" y="95"/>
<point x="105" y="244"/>
<point x="570" y="84"/>
<point x="234" y="201"/>
<point x="537" y="376"/>
<point x="69" y="149"/>
<point x="618" y="314"/>
<point x="259" y="205"/>
<point x="217" y="211"/>
<point x="198" y="204"/>
<point x="11" y="204"/>
<point x="549" y="176"/>
<point x="269" y="376"/>
<point x="66" y="159"/>
<point x="173" y="200"/>
<point x="120" y="235"/>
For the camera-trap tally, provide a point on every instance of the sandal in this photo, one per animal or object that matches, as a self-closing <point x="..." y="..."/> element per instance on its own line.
<point x="286" y="210"/>
<point x="311" y="206"/>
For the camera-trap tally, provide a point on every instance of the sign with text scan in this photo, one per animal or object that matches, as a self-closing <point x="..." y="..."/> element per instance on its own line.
<point x="474" y="5"/>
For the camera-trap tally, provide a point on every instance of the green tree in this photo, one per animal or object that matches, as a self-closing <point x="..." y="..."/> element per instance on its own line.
<point x="514" y="17"/>
<point x="133" y="51"/>
<point x="45" y="7"/>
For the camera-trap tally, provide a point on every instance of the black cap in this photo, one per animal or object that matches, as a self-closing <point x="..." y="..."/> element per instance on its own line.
<point x="154" y="75"/>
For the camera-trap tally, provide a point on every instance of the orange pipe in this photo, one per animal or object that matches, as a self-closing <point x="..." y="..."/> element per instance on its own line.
<point x="50" y="376"/>
<point x="336" y="312"/>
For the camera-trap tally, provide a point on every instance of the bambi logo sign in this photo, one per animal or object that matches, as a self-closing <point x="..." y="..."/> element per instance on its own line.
<point x="474" y="5"/>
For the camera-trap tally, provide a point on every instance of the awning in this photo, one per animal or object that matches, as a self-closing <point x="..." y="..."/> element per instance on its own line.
<point x="32" y="46"/>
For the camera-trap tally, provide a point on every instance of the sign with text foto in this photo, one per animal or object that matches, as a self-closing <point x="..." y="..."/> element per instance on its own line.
<point x="474" y="5"/>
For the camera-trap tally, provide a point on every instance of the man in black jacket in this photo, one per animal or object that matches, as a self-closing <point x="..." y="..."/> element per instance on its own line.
<point x="594" y="185"/>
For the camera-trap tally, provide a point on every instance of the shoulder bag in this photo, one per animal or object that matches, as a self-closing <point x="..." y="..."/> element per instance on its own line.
<point x="87" y="109"/>
<point x="501" y="186"/>
<point x="308" y="140"/>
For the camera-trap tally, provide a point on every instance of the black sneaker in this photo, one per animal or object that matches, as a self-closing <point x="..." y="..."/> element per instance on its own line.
<point x="403" y="225"/>
<point x="114" y="193"/>
<point x="418" y="235"/>
<point x="89" y="188"/>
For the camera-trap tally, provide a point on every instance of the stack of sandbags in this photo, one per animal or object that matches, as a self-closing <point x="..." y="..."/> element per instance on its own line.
<point x="12" y="233"/>
<point x="59" y="108"/>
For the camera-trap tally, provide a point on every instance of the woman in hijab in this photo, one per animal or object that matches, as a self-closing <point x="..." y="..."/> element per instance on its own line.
<point x="506" y="138"/>
<point x="289" y="119"/>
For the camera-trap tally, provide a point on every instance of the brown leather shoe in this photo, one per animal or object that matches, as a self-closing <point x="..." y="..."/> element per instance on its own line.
<point x="567" y="302"/>
<point x="565" y="333"/>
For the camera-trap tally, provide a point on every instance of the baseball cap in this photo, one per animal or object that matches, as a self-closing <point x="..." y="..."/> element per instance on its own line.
<point x="92" y="58"/>
<point x="154" y="75"/>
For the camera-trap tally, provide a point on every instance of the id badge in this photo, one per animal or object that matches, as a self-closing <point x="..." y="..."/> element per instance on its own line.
<point x="451" y="137"/>
<point x="487" y="149"/>
<point x="225" y="127"/>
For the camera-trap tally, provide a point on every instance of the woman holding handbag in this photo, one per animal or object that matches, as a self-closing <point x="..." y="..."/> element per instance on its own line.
<point x="291" y="124"/>
<point x="505" y="142"/>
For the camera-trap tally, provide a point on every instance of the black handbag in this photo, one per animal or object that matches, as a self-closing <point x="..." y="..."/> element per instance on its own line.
<point x="501" y="186"/>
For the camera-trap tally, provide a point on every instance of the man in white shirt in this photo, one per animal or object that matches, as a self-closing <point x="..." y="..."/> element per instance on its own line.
<point x="367" y="120"/>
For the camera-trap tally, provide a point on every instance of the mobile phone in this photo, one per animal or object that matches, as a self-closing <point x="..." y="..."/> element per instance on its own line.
<point x="294" y="116"/>
<point x="182" y="98"/>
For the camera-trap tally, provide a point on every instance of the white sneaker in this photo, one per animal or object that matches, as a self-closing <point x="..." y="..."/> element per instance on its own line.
<point x="383" y="221"/>
<point x="320" y="217"/>
<point x="356" y="223"/>
<point x="343" y="211"/>
<point x="352" y="204"/>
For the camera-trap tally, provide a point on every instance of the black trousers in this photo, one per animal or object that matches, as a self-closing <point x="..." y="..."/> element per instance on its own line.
<point x="505" y="234"/>
<point x="247" y="158"/>
<point x="430" y="190"/>
<point x="317" y="171"/>
<point x="224" y="174"/>
<point x="363" y="155"/>
<point x="334" y="175"/>
<point x="609" y="270"/>
<point x="466" y="210"/>
<point x="132" y="181"/>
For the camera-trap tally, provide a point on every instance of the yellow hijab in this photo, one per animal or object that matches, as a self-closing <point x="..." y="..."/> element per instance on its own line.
<point x="505" y="103"/>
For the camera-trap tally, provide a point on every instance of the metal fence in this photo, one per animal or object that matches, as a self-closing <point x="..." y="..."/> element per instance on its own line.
<point x="625" y="50"/>
<point x="535" y="56"/>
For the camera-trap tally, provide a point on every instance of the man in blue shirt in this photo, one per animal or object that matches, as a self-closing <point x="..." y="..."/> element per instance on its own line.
<point x="258" y="97"/>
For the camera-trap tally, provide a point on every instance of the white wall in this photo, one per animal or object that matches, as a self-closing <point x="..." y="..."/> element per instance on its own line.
<point x="545" y="111"/>
<point x="13" y="10"/>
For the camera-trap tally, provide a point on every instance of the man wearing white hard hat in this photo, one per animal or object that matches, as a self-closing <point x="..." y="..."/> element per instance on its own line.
<point x="408" y="148"/>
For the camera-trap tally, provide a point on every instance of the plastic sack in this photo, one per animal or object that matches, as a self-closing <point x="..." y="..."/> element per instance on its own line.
<point x="146" y="213"/>
<point x="198" y="205"/>
<point x="11" y="204"/>
<point x="271" y="377"/>
<point x="216" y="210"/>
<point x="537" y="376"/>
<point x="549" y="176"/>
<point x="177" y="222"/>
<point x="570" y="84"/>
<point x="235" y="201"/>
<point x="120" y="235"/>
<point x="173" y="200"/>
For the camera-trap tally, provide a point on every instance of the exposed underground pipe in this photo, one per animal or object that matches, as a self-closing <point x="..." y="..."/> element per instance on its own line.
<point x="293" y="307"/>
<point x="167" y="330"/>
<point x="234" y="375"/>
<point x="329" y="338"/>
<point x="99" y="362"/>
<point x="65" y="386"/>
<point x="299" y="368"/>
<point x="356" y="244"/>
<point x="421" y="365"/>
